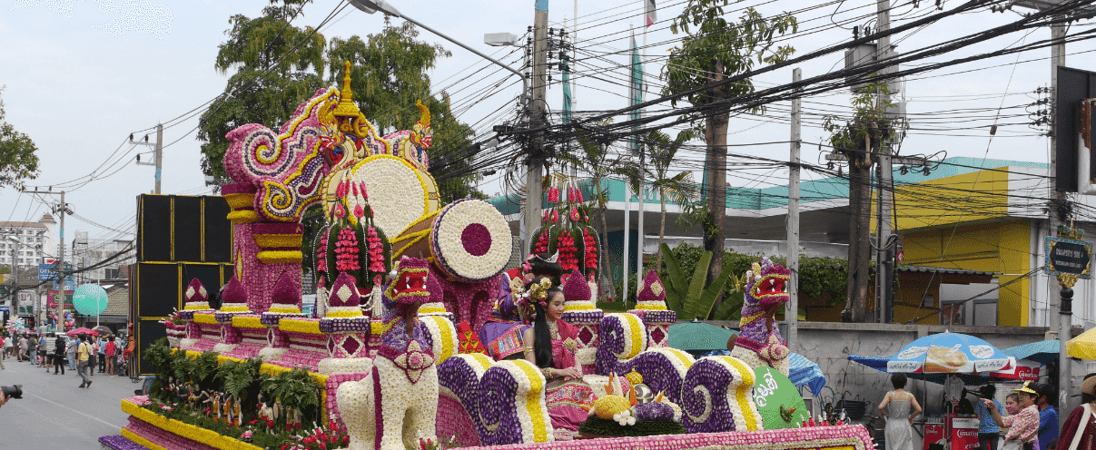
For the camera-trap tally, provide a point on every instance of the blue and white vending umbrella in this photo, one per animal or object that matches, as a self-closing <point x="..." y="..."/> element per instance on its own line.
<point x="948" y="353"/>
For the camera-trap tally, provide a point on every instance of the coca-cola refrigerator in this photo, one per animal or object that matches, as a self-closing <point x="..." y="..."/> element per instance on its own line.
<point x="960" y="431"/>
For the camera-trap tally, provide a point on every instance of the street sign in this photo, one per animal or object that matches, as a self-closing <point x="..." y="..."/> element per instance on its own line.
<point x="45" y="271"/>
<point x="1068" y="256"/>
<point x="70" y="283"/>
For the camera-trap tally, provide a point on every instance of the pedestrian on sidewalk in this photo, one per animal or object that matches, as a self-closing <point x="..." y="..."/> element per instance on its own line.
<point x="83" y="355"/>
<point x="1023" y="426"/>
<point x="111" y="351"/>
<point x="70" y="352"/>
<point x="7" y="345"/>
<point x="988" y="431"/>
<point x="102" y="347"/>
<point x="43" y="352"/>
<point x="22" y="350"/>
<point x="59" y="355"/>
<point x="92" y="352"/>
<point x="1048" y="416"/>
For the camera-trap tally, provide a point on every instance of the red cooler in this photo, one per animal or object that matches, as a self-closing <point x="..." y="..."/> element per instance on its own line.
<point x="961" y="431"/>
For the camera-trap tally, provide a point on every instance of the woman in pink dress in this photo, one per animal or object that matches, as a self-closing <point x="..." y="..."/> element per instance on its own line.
<point x="550" y="344"/>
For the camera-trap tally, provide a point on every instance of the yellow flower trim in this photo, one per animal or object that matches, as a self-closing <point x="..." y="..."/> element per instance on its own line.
<point x="224" y="359"/>
<point x="431" y="309"/>
<point x="634" y="377"/>
<point x="299" y="326"/>
<point x="207" y="437"/>
<point x="285" y="309"/>
<point x="280" y="256"/>
<point x="447" y="335"/>
<point x="654" y="307"/>
<point x="635" y="328"/>
<point x="347" y="313"/>
<point x="680" y="355"/>
<point x="533" y="399"/>
<point x="740" y="393"/>
<point x="578" y="307"/>
<point x="240" y="308"/>
<point x="278" y="240"/>
<point x="247" y="322"/>
<point x="414" y="239"/>
<point x="205" y="318"/>
<point x="483" y="361"/>
<point x="239" y="200"/>
<point x="243" y="216"/>
<point x="377" y="328"/>
<point x="424" y="218"/>
<point x="140" y="440"/>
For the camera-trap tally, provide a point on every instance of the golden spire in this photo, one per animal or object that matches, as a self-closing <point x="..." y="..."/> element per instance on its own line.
<point x="346" y="109"/>
<point x="425" y="118"/>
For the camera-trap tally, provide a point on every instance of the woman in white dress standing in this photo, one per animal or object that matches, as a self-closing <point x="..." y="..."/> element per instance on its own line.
<point x="899" y="408"/>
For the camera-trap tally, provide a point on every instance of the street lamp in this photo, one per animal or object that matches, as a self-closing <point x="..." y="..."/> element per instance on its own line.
<point x="372" y="6"/>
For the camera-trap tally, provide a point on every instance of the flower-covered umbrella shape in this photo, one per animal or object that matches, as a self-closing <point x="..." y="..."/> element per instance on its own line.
<point x="83" y="330"/>
<point x="948" y="353"/>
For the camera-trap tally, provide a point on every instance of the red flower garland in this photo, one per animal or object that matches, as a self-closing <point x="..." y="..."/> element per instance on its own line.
<point x="590" y="245"/>
<point x="376" y="251"/>
<point x="566" y="246"/>
<point x="321" y="252"/>
<point x="542" y="243"/>
<point x="347" y="251"/>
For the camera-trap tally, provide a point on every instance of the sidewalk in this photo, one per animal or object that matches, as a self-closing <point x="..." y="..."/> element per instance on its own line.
<point x="54" y="413"/>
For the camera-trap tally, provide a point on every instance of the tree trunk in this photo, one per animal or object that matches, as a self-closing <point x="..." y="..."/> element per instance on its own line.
<point x="859" y="228"/>
<point x="607" y="269"/>
<point x="715" y="135"/>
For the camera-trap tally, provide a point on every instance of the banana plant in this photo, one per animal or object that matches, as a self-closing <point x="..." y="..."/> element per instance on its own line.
<point x="688" y="296"/>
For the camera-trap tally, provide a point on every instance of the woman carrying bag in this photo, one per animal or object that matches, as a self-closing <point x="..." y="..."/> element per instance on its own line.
<point x="1078" y="433"/>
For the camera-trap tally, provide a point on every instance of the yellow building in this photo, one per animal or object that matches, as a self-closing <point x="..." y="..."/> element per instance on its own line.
<point x="978" y="219"/>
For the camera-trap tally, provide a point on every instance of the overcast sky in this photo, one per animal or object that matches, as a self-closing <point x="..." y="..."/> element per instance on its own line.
<point x="82" y="75"/>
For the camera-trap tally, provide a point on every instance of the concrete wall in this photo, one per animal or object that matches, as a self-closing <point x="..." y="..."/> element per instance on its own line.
<point x="830" y="344"/>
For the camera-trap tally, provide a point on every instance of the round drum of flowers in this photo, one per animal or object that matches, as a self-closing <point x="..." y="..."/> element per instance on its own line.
<point x="398" y="192"/>
<point x="471" y="240"/>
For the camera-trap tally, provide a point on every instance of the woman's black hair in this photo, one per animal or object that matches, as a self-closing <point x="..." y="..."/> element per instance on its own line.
<point x="542" y="336"/>
<point x="540" y="267"/>
<point x="898" y="380"/>
<point x="988" y="391"/>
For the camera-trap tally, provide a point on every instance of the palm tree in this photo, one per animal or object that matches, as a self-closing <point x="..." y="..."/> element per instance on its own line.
<point x="595" y="156"/>
<point x="655" y="172"/>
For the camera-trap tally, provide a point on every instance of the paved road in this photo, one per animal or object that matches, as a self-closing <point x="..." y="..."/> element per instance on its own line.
<point x="55" y="414"/>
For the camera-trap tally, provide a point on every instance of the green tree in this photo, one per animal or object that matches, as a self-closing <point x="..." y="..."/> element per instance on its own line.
<point x="389" y="74"/>
<point x="714" y="50"/>
<point x="661" y="151"/>
<point x="859" y="139"/>
<point x="277" y="66"/>
<point x="18" y="161"/>
<point x="594" y="155"/>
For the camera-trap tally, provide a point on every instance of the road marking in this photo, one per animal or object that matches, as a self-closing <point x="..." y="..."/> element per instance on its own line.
<point x="75" y="411"/>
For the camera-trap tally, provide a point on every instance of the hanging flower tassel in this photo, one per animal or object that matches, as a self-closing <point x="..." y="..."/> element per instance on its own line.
<point x="321" y="252"/>
<point x="553" y="195"/>
<point x="376" y="251"/>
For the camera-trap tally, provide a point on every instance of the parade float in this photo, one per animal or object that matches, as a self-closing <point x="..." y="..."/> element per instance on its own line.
<point x="396" y="354"/>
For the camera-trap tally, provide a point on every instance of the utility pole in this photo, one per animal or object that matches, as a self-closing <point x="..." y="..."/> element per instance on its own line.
<point x="791" y="309"/>
<point x="157" y="154"/>
<point x="885" y="172"/>
<point x="534" y="177"/>
<point x="60" y="208"/>
<point x="1065" y="304"/>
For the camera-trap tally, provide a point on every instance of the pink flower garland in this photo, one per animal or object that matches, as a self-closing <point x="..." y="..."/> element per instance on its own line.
<point x="321" y="252"/>
<point x="566" y="246"/>
<point x="376" y="251"/>
<point x="590" y="244"/>
<point x="346" y="250"/>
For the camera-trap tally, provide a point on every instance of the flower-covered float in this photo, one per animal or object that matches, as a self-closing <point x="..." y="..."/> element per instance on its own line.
<point x="395" y="355"/>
